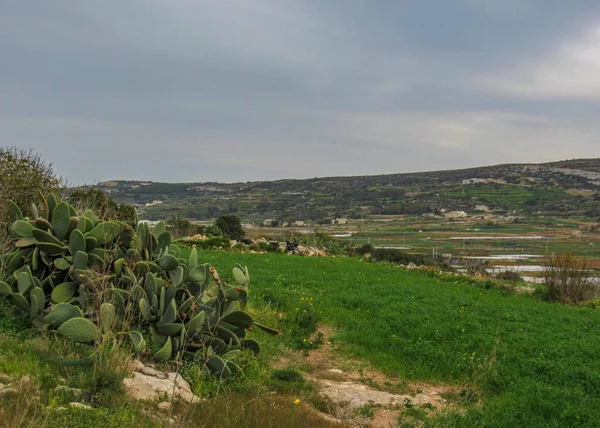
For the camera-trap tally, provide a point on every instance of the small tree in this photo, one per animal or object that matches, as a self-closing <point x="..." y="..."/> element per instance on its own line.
<point x="231" y="226"/>
<point x="23" y="175"/>
<point x="568" y="279"/>
<point x="102" y="205"/>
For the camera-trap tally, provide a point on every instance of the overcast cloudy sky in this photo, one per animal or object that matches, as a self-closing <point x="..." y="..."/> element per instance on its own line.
<point x="239" y="90"/>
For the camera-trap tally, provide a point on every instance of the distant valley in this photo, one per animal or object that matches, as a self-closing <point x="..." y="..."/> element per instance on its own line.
<point x="562" y="188"/>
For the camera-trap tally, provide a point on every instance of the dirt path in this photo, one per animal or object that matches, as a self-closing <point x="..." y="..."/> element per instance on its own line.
<point x="363" y="396"/>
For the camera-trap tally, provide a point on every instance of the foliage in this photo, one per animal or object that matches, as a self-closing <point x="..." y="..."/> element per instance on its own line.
<point x="568" y="279"/>
<point x="101" y="205"/>
<point x="213" y="230"/>
<point x="24" y="175"/>
<point x="179" y="226"/>
<point x="302" y="326"/>
<point x="510" y="276"/>
<point x="365" y="249"/>
<point x="231" y="226"/>
<point x="89" y="279"/>
<point x="211" y="243"/>
<point x="394" y="255"/>
<point x="423" y="328"/>
<point x="324" y="241"/>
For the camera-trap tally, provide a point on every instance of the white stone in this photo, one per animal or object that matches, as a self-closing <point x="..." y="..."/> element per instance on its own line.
<point x="164" y="406"/>
<point x="145" y="387"/>
<point x="80" y="405"/>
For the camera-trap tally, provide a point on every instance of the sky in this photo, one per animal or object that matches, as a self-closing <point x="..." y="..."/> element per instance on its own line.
<point x="245" y="90"/>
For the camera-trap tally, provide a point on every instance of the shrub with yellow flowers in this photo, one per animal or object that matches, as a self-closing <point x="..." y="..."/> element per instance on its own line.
<point x="303" y="323"/>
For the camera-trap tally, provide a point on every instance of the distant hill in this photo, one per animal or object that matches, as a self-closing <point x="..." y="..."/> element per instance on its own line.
<point x="567" y="187"/>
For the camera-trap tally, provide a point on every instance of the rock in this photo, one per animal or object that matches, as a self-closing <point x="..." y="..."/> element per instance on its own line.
<point x="355" y="395"/>
<point x="77" y="405"/>
<point x="145" y="387"/>
<point x="75" y="392"/>
<point x="164" y="406"/>
<point x="137" y="366"/>
<point x="148" y="383"/>
<point x="336" y="371"/>
<point x="411" y="265"/>
<point x="149" y="371"/>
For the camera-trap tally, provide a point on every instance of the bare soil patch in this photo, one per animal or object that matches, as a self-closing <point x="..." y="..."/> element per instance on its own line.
<point x="362" y="395"/>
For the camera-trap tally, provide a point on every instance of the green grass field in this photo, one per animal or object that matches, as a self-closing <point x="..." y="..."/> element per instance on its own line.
<point x="533" y="363"/>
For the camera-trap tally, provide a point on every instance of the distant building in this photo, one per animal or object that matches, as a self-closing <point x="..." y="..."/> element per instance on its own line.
<point x="456" y="214"/>
<point x="474" y="181"/>
<point x="342" y="220"/>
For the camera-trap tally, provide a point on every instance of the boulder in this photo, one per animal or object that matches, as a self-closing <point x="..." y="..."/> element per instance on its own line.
<point x="148" y="383"/>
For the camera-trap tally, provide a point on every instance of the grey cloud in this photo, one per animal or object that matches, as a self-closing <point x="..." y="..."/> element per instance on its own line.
<point x="264" y="89"/>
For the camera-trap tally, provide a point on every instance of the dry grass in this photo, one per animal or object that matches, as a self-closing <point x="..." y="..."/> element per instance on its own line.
<point x="265" y="411"/>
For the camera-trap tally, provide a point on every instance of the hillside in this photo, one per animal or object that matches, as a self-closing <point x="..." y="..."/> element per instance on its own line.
<point x="558" y="188"/>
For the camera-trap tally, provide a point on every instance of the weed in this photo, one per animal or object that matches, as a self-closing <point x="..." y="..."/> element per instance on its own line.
<point x="366" y="411"/>
<point x="302" y="326"/>
<point x="568" y="279"/>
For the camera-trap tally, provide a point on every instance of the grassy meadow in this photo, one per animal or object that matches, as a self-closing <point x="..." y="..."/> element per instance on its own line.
<point x="521" y="361"/>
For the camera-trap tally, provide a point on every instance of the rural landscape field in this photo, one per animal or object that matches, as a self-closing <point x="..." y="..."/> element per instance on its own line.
<point x="299" y="214"/>
<point x="477" y="311"/>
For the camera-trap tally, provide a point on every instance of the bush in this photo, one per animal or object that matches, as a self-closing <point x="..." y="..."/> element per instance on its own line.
<point x="231" y="226"/>
<point x="510" y="276"/>
<point x="394" y="255"/>
<point x="179" y="226"/>
<point x="102" y="206"/>
<point x="303" y="326"/>
<point x="365" y="249"/>
<point x="24" y="175"/>
<point x="212" y="230"/>
<point x="568" y="279"/>
<point x="212" y="243"/>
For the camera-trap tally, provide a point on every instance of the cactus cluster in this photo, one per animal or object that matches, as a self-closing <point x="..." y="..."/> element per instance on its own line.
<point x="85" y="278"/>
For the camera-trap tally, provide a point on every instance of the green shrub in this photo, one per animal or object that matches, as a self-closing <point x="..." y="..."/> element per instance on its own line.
<point x="509" y="275"/>
<point x="397" y="256"/>
<point x="303" y="323"/>
<point x="102" y="206"/>
<point x="211" y="243"/>
<point x="91" y="280"/>
<point x="179" y="226"/>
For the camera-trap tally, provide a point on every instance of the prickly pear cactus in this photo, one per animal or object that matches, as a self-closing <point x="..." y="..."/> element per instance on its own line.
<point x="84" y="277"/>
